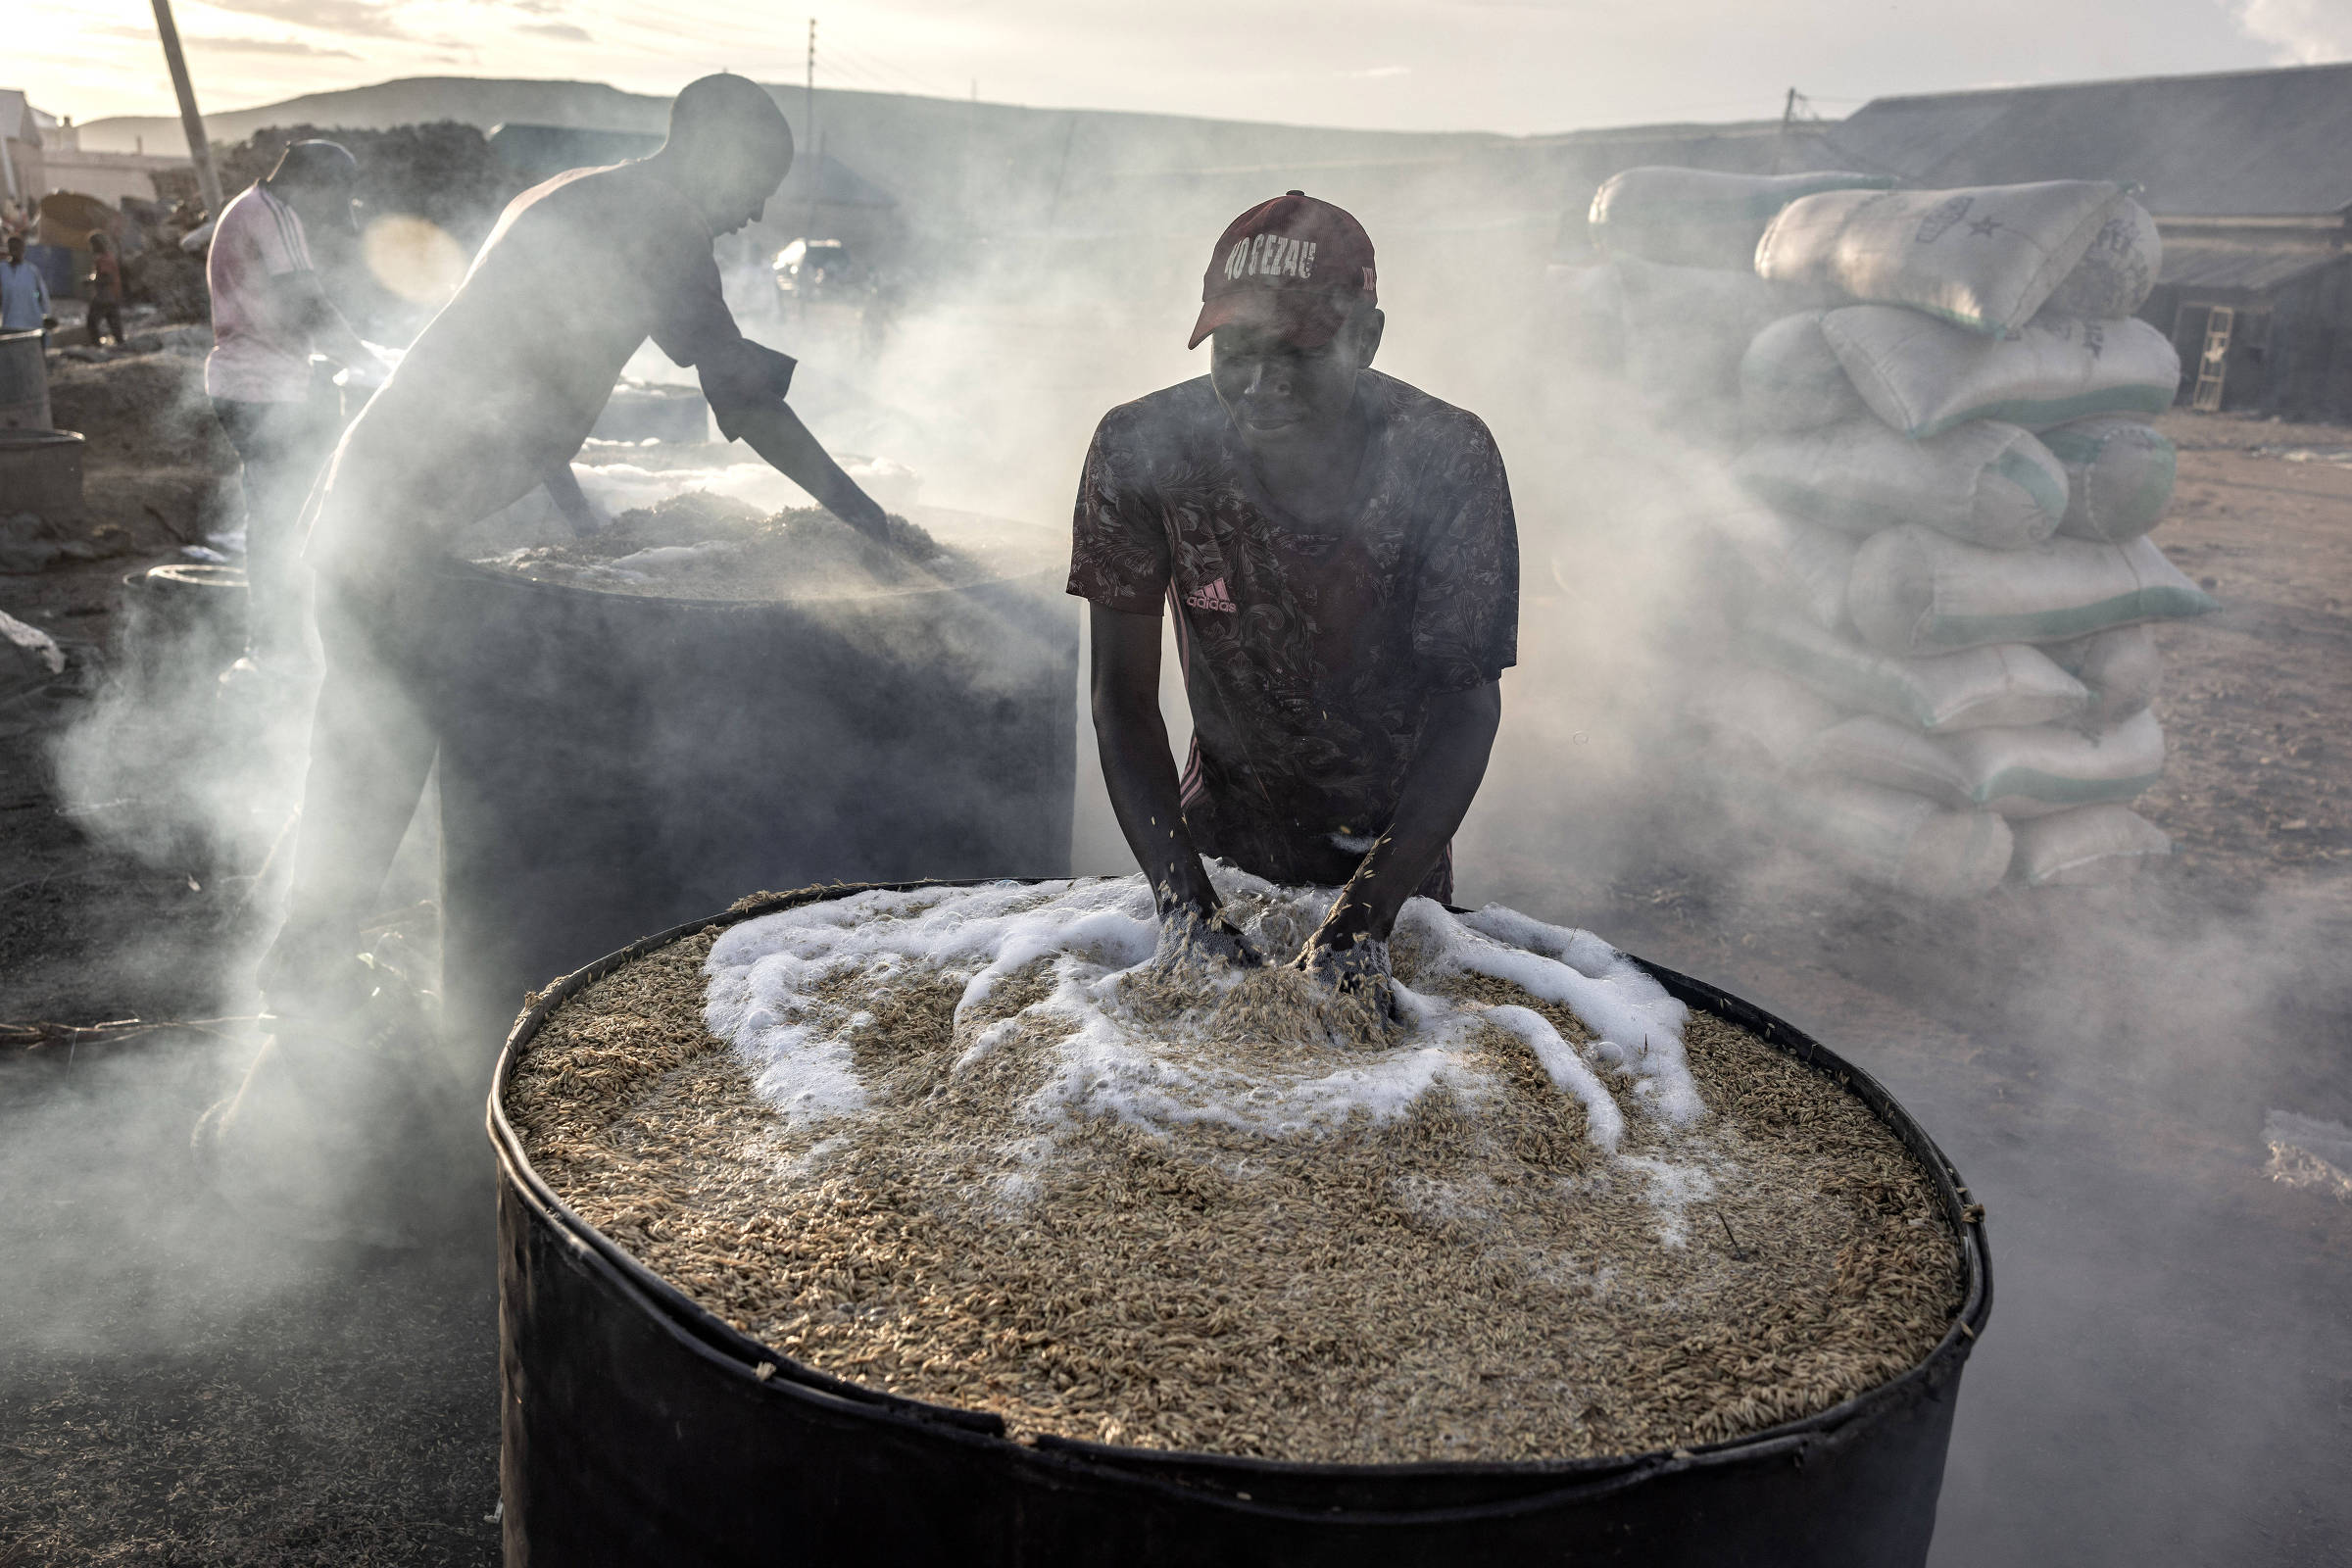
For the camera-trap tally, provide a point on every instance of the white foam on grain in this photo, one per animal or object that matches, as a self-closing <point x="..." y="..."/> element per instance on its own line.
<point x="763" y="975"/>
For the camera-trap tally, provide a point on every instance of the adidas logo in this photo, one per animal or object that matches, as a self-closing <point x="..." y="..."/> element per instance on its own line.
<point x="1213" y="597"/>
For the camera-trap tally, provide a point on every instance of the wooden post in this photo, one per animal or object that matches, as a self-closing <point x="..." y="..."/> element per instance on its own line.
<point x="208" y="183"/>
<point x="816" y="154"/>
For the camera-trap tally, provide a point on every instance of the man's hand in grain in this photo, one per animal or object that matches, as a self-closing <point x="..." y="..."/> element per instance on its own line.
<point x="1349" y="961"/>
<point x="1191" y="935"/>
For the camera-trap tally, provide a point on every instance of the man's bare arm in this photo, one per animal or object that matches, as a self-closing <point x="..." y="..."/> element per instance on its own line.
<point x="564" y="488"/>
<point x="776" y="433"/>
<point x="332" y="334"/>
<point x="1138" y="768"/>
<point x="1444" y="779"/>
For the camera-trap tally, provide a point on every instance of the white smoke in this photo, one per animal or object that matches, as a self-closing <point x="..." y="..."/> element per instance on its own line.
<point x="2300" y="33"/>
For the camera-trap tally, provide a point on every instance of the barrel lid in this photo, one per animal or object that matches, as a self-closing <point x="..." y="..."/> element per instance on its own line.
<point x="192" y="574"/>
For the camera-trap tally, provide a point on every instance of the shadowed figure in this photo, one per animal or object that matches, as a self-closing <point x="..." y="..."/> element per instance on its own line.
<point x="492" y="400"/>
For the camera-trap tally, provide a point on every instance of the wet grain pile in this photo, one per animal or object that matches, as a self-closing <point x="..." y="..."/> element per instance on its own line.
<point x="701" y="546"/>
<point x="1471" y="1279"/>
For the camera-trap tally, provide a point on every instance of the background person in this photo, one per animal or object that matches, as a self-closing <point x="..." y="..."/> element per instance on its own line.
<point x="24" y="293"/>
<point x="1340" y="555"/>
<point x="105" y="292"/>
<point x="269" y="314"/>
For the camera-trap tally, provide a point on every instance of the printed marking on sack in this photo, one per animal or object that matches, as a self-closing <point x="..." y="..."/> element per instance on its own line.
<point x="1931" y="227"/>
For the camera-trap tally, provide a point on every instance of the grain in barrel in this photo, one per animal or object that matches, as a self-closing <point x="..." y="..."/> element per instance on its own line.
<point x="971" y="1146"/>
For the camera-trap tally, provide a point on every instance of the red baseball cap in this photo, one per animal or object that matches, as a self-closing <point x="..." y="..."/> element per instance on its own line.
<point x="1295" y="265"/>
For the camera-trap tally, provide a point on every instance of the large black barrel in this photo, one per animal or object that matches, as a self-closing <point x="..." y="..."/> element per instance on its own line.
<point x="614" y="761"/>
<point x="23" y="383"/>
<point x="184" y="624"/>
<point x="637" y="1429"/>
<point x="654" y="413"/>
<point x="40" y="472"/>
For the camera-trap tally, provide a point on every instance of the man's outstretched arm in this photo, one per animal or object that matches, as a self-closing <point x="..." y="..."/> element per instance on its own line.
<point x="330" y="330"/>
<point x="778" y="434"/>
<point x="1140" y="774"/>
<point x="745" y="384"/>
<point x="1457" y="740"/>
<point x="564" y="488"/>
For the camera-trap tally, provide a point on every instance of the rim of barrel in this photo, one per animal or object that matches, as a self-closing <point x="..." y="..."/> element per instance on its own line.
<point x="474" y="571"/>
<point x="31" y="438"/>
<point x="192" y="574"/>
<point x="704" y="1334"/>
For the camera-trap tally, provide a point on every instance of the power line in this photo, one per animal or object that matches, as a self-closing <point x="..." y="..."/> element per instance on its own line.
<point x="900" y="78"/>
<point x="844" y="72"/>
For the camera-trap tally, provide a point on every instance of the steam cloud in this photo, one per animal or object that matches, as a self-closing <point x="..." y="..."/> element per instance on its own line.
<point x="2101" y="1022"/>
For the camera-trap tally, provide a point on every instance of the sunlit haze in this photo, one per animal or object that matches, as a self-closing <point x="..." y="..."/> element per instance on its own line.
<point x="1514" y="66"/>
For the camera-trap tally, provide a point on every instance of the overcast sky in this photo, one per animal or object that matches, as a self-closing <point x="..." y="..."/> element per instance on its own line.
<point x="1518" y="65"/>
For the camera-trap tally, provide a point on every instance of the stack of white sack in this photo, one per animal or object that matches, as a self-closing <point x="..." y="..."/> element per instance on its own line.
<point x="1945" y="571"/>
<point x="1673" y="304"/>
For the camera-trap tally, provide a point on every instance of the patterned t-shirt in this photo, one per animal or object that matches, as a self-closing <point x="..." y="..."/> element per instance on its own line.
<point x="1309" y="659"/>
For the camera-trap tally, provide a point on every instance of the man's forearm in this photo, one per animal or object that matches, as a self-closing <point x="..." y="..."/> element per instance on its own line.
<point x="1438" y="787"/>
<point x="778" y="434"/>
<point x="1140" y="775"/>
<point x="1138" y="771"/>
<point x="564" y="488"/>
<point x="334" y="334"/>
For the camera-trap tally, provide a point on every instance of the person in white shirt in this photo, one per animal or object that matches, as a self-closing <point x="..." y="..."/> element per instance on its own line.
<point x="24" y="293"/>
<point x="269" y="314"/>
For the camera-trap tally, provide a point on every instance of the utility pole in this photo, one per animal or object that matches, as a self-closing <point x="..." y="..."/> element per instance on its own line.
<point x="1780" y="148"/>
<point x="816" y="154"/>
<point x="208" y="183"/>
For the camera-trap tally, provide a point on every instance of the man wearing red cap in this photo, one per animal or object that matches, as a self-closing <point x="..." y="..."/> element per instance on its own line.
<point x="1342" y="559"/>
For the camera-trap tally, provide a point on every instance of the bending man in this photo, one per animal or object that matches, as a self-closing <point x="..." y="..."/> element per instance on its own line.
<point x="495" y="396"/>
<point x="1340" y="556"/>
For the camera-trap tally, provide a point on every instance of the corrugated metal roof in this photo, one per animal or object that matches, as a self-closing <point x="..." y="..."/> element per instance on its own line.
<point x="2247" y="269"/>
<point x="2256" y="143"/>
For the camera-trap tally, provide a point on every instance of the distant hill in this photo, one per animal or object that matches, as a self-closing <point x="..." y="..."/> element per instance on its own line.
<point x="890" y="129"/>
<point x="974" y="182"/>
<point x="956" y="167"/>
<point x="471" y="101"/>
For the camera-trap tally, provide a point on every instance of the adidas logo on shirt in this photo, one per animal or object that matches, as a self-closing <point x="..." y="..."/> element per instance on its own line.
<point x="1213" y="597"/>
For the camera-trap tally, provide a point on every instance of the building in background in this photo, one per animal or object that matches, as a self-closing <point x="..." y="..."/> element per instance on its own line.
<point x="2249" y="179"/>
<point x="2247" y="173"/>
<point x="19" y="148"/>
<point x="43" y="154"/>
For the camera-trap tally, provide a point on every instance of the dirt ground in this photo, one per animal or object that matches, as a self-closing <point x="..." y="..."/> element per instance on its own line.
<point x="174" y="1387"/>
<point x="2168" y="1377"/>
